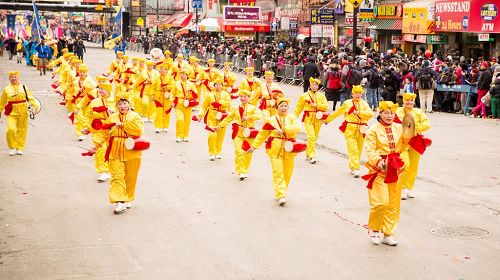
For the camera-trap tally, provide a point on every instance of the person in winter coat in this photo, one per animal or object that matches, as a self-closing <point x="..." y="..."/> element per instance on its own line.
<point x="483" y="85"/>
<point x="495" y="99"/>
<point x="390" y="85"/>
<point x="311" y="70"/>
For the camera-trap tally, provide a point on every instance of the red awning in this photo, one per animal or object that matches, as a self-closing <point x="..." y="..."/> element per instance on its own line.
<point x="181" y="21"/>
<point x="398" y="25"/>
<point x="258" y="27"/>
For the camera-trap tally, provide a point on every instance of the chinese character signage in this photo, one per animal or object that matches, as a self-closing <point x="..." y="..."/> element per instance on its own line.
<point x="322" y="16"/>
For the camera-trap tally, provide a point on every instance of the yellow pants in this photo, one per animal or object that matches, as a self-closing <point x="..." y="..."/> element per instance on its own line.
<point x="17" y="126"/>
<point x="242" y="159"/>
<point x="123" y="179"/>
<point x="411" y="169"/>
<point x="138" y="105"/>
<point x="148" y="108"/>
<point x="100" y="164"/>
<point x="282" y="172"/>
<point x="385" y="200"/>
<point x="354" y="149"/>
<point x="182" y="122"/>
<point x="215" y="140"/>
<point x="312" y="131"/>
<point x="162" y="120"/>
<point x="79" y="123"/>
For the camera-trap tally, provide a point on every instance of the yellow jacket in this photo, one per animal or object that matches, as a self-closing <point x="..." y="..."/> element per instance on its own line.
<point x="165" y="88"/>
<point x="147" y="83"/>
<point x="132" y="127"/>
<point x="116" y="68"/>
<point x="98" y="110"/>
<point x="352" y="122"/>
<point x="254" y="86"/>
<point x="421" y="121"/>
<point x="304" y="104"/>
<point x="182" y="91"/>
<point x="14" y="96"/>
<point x="229" y="80"/>
<point x="84" y="87"/>
<point x="236" y="117"/>
<point x="177" y="67"/>
<point x="275" y="142"/>
<point x="262" y="98"/>
<point x="215" y="101"/>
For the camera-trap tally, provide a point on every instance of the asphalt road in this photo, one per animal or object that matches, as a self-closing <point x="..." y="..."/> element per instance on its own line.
<point x="193" y="219"/>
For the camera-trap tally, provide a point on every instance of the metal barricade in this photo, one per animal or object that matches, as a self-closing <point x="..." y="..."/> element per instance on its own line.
<point x="235" y="63"/>
<point x="257" y="64"/>
<point x="280" y="74"/>
<point x="298" y="77"/>
<point x="288" y="74"/>
<point x="241" y="65"/>
<point x="218" y="61"/>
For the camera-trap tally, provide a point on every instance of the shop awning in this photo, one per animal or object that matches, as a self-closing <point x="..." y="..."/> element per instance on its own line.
<point x="386" y="24"/>
<point x="178" y="20"/>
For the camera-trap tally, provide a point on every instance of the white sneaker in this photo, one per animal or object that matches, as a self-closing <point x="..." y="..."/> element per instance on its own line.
<point x="242" y="177"/>
<point x="178" y="140"/>
<point x="404" y="194"/>
<point x="157" y="130"/>
<point x="12" y="152"/>
<point x="282" y="201"/>
<point x="245" y="175"/>
<point x="375" y="236"/>
<point x="313" y="160"/>
<point x="307" y="158"/>
<point x="120" y="208"/>
<point x="19" y="152"/>
<point x="186" y="139"/>
<point x="355" y="173"/>
<point x="103" y="177"/>
<point x="218" y="156"/>
<point x="389" y="240"/>
<point x="128" y="205"/>
<point x="82" y="137"/>
<point x="212" y="158"/>
<point x="409" y="194"/>
<point x="165" y="130"/>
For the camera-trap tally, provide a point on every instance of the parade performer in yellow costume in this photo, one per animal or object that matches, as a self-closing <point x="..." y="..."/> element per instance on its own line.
<point x="383" y="146"/>
<point x="96" y="114"/>
<point x="85" y="86"/>
<point x="124" y="89"/>
<point x="310" y="103"/>
<point x="148" y="83"/>
<point x="356" y="113"/>
<point x="252" y="84"/>
<point x="179" y="65"/>
<point x="72" y="84"/>
<point x="116" y="68"/>
<point x="211" y="73"/>
<point x="275" y="132"/>
<point x="242" y="117"/>
<point x="163" y="100"/>
<point x="136" y="91"/>
<point x="269" y="93"/>
<point x="230" y="80"/>
<point x="14" y="104"/>
<point x="197" y="75"/>
<point x="412" y="156"/>
<point x="167" y="60"/>
<point x="124" y="164"/>
<point x="185" y="93"/>
<point x="215" y="107"/>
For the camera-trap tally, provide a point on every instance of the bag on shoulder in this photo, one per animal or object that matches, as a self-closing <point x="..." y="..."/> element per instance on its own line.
<point x="354" y="77"/>
<point x="486" y="99"/>
<point x="375" y="79"/>
<point x="425" y="81"/>
<point x="334" y="81"/>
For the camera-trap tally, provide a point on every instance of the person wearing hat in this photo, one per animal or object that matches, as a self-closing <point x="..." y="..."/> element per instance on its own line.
<point x="197" y="76"/>
<point x="275" y="132"/>
<point x="310" y="103"/>
<point x="215" y="103"/>
<point x="123" y="163"/>
<point x="116" y="68"/>
<point x="44" y="55"/>
<point x="422" y="124"/>
<point x="13" y="103"/>
<point x="211" y="73"/>
<point x="96" y="113"/>
<point x="229" y="80"/>
<point x="167" y="60"/>
<point x="71" y="83"/>
<point x="124" y="89"/>
<point x="483" y="86"/>
<point x="162" y="99"/>
<point x="85" y="86"/>
<point x="383" y="146"/>
<point x="242" y="117"/>
<point x="179" y="65"/>
<point x="357" y="113"/>
<point x="252" y="84"/>
<point x="136" y="91"/>
<point x="267" y="96"/>
<point x="148" y="83"/>
<point x="426" y="81"/>
<point x="184" y="90"/>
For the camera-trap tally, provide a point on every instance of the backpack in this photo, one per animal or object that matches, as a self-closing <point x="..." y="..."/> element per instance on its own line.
<point x="425" y="80"/>
<point x="375" y="79"/>
<point x="334" y="81"/>
<point x="354" y="77"/>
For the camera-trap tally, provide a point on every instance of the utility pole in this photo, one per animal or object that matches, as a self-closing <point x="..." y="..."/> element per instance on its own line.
<point x="157" y="15"/>
<point x="355" y="28"/>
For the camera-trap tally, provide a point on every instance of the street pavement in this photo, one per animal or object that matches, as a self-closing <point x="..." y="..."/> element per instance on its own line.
<point x="193" y="218"/>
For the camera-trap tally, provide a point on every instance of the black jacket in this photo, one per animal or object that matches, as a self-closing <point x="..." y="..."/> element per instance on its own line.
<point x="311" y="70"/>
<point x="484" y="79"/>
<point x="495" y="90"/>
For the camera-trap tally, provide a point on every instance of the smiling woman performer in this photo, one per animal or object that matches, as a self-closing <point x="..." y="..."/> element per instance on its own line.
<point x="383" y="146"/>
<point x="276" y="131"/>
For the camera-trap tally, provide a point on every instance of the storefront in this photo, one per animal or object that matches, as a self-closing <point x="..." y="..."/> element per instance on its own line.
<point x="387" y="26"/>
<point x="474" y="24"/>
<point x="244" y="22"/>
<point x="418" y="22"/>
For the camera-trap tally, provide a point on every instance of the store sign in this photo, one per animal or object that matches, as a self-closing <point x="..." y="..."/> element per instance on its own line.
<point x="338" y="6"/>
<point x="285" y="23"/>
<point x="322" y="16"/>
<point x="437" y="39"/>
<point x="293" y="24"/>
<point x="316" y="31"/>
<point x="367" y="6"/>
<point x="484" y="37"/>
<point x="415" y="38"/>
<point x="366" y="16"/>
<point x="396" y="39"/>
<point x="418" y="20"/>
<point x="349" y="19"/>
<point x="389" y="11"/>
<point x="241" y="13"/>
<point x="305" y="30"/>
<point x="247" y="28"/>
<point x="478" y="16"/>
<point x="328" y="31"/>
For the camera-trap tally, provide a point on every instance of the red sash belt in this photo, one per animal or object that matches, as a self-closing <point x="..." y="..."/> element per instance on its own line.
<point x="158" y="103"/>
<point x="393" y="165"/>
<point x="236" y="128"/>
<point x="306" y="114"/>
<point x="269" y="141"/>
<point x="343" y="126"/>
<point x="110" y="144"/>
<point x="9" y="107"/>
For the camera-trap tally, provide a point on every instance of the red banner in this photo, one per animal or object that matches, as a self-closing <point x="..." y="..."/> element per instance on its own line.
<point x="247" y="28"/>
<point x="467" y="16"/>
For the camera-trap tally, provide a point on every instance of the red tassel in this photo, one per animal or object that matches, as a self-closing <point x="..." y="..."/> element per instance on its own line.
<point x="100" y="109"/>
<point x="209" y="129"/>
<point x="216" y="105"/>
<point x="268" y="126"/>
<point x="236" y="128"/>
<point x="343" y="126"/>
<point x="234" y="96"/>
<point x="397" y="120"/>
<point x="108" y="125"/>
<point x="420" y="143"/>
<point x="176" y="100"/>
<point x="54" y="86"/>
<point x="351" y="110"/>
<point x="158" y="103"/>
<point x="62" y="103"/>
<point x="168" y="111"/>
<point x="88" y="154"/>
<point x="195" y="118"/>
<point x="72" y="117"/>
<point x="245" y="146"/>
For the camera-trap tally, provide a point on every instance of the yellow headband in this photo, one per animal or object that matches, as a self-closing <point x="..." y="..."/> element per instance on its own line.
<point x="119" y="53"/>
<point x="283" y="99"/>
<point x="15" y="73"/>
<point x="313" y="80"/>
<point x="180" y="55"/>
<point x="83" y="68"/>
<point x="244" y="92"/>
<point x="135" y="59"/>
<point x="167" y="52"/>
<point x="249" y="69"/>
<point x="211" y="60"/>
<point x="409" y="96"/>
<point x="150" y="63"/>
<point x="357" y="89"/>
<point x="228" y="63"/>
<point x="387" y="105"/>
<point x="107" y="86"/>
<point x="193" y="59"/>
<point x="269" y="74"/>
<point x="185" y="71"/>
<point x="65" y="50"/>
<point x="101" y="79"/>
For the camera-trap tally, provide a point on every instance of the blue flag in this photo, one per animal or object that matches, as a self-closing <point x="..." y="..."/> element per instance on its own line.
<point x="36" y="28"/>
